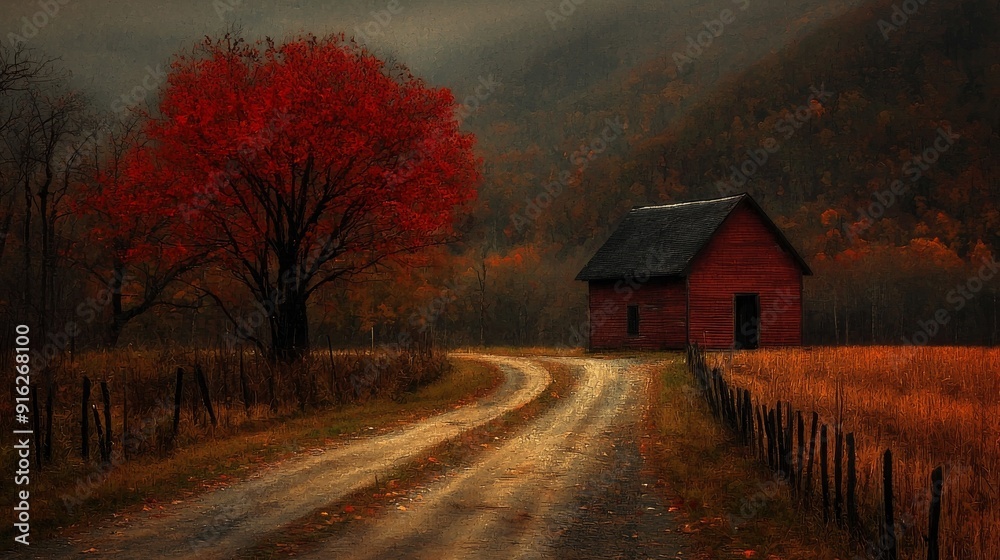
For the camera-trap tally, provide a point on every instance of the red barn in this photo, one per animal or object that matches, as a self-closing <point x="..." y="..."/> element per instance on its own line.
<point x="718" y="273"/>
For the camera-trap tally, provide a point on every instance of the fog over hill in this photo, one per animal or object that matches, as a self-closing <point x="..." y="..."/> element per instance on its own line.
<point x="531" y="44"/>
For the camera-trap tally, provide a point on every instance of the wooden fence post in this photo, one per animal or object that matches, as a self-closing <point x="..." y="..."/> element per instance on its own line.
<point x="771" y="444"/>
<point x="801" y="451"/>
<point x="126" y="437"/>
<point x="934" y="516"/>
<point x="824" y="474"/>
<point x="852" y="485"/>
<point x="199" y="376"/>
<point x="100" y="434"/>
<point x="779" y="442"/>
<point x="178" y="388"/>
<point x="271" y="374"/>
<point x="789" y="446"/>
<point x="812" y="455"/>
<point x="748" y="418"/>
<point x="734" y="409"/>
<point x="85" y="420"/>
<point x="761" y="454"/>
<point x="738" y="405"/>
<point x="838" y="475"/>
<point x="106" y="397"/>
<point x="335" y="387"/>
<point x="889" y="525"/>
<point x="244" y="385"/>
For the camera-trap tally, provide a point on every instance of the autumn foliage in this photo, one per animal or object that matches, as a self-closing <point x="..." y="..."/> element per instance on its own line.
<point x="295" y="166"/>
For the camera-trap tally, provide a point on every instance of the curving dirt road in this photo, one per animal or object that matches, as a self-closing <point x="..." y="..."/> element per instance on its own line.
<point x="567" y="485"/>
<point x="220" y="523"/>
<point x="533" y="496"/>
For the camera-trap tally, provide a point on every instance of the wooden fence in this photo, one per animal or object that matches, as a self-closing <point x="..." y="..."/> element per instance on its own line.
<point x="145" y="408"/>
<point x="770" y="436"/>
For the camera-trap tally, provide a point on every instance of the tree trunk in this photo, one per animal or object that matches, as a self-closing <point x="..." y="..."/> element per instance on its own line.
<point x="114" y="332"/>
<point x="290" y="330"/>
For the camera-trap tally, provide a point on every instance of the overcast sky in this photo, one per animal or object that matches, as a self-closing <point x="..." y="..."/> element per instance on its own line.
<point x="108" y="44"/>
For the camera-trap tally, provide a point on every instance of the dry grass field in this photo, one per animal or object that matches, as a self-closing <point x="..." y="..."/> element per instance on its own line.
<point x="931" y="406"/>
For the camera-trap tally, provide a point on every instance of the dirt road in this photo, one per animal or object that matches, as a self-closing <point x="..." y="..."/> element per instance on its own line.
<point x="567" y="485"/>
<point x="218" y="524"/>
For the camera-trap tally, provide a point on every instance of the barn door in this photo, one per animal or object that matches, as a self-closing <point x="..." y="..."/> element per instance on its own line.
<point x="746" y="313"/>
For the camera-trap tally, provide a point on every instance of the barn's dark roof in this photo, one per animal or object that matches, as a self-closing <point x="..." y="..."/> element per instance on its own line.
<point x="663" y="240"/>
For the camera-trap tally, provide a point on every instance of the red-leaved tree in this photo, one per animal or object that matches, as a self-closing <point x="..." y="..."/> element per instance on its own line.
<point x="139" y="248"/>
<point x="303" y="164"/>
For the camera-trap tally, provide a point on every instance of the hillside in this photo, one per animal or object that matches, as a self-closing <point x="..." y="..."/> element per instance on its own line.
<point x="907" y="107"/>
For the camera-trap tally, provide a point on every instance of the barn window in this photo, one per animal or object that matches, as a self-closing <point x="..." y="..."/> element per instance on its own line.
<point x="633" y="320"/>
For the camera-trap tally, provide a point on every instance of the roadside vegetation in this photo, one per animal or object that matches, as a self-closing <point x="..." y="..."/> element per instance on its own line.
<point x="728" y="505"/>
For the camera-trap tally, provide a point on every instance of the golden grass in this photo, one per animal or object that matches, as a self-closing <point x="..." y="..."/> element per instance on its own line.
<point x="212" y="457"/>
<point x="931" y="406"/>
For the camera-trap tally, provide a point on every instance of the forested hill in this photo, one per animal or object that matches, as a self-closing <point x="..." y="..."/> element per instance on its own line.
<point x="869" y="139"/>
<point x="866" y="128"/>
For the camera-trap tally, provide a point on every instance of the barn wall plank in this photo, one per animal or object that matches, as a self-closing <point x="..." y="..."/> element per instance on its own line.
<point x="745" y="256"/>
<point x="661" y="314"/>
